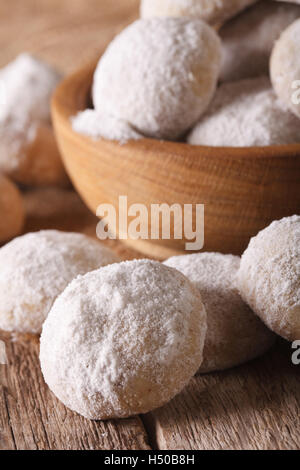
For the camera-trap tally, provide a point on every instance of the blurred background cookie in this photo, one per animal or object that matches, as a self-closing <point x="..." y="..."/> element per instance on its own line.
<point x="28" y="151"/>
<point x="160" y="91"/>
<point x="248" y="39"/>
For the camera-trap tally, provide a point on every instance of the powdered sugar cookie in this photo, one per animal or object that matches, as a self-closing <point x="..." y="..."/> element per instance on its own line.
<point x="98" y="125"/>
<point x="159" y="75"/>
<point x="269" y="276"/>
<point x="248" y="39"/>
<point x="36" y="268"/>
<point x="234" y="334"/>
<point x="27" y="147"/>
<point x="285" y="68"/>
<point x="212" y="11"/>
<point x="123" y="340"/>
<point x="11" y="210"/>
<point x="246" y="113"/>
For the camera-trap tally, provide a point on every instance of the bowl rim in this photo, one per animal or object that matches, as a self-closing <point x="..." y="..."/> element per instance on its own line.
<point x="66" y="104"/>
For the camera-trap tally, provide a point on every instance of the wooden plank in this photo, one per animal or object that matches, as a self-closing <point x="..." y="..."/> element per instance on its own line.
<point x="52" y="208"/>
<point x="254" y="406"/>
<point x="32" y="418"/>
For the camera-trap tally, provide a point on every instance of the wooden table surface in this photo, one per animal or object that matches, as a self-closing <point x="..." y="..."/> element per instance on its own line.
<point x="254" y="406"/>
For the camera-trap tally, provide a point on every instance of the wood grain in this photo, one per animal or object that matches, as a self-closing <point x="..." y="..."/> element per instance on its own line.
<point x="252" y="407"/>
<point x="32" y="418"/>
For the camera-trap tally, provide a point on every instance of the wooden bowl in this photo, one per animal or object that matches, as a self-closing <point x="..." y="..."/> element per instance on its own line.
<point x="243" y="189"/>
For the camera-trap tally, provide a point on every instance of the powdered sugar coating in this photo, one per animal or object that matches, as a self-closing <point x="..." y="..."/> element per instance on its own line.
<point x="285" y="68"/>
<point x="211" y="11"/>
<point x="98" y="125"/>
<point x="26" y="86"/>
<point x="246" y="113"/>
<point x="36" y="268"/>
<point x="269" y="276"/>
<point x="123" y="340"/>
<point x="12" y="212"/>
<point x="159" y="75"/>
<point x="234" y="335"/>
<point x="248" y="39"/>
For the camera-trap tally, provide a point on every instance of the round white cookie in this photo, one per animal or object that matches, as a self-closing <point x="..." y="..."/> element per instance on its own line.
<point x="269" y="276"/>
<point x="285" y="68"/>
<point x="123" y="340"/>
<point x="12" y="212"/>
<point x="36" y="268"/>
<point x="212" y="11"/>
<point x="246" y="113"/>
<point x="235" y="334"/>
<point x="248" y="39"/>
<point x="28" y="152"/>
<point x="159" y="75"/>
